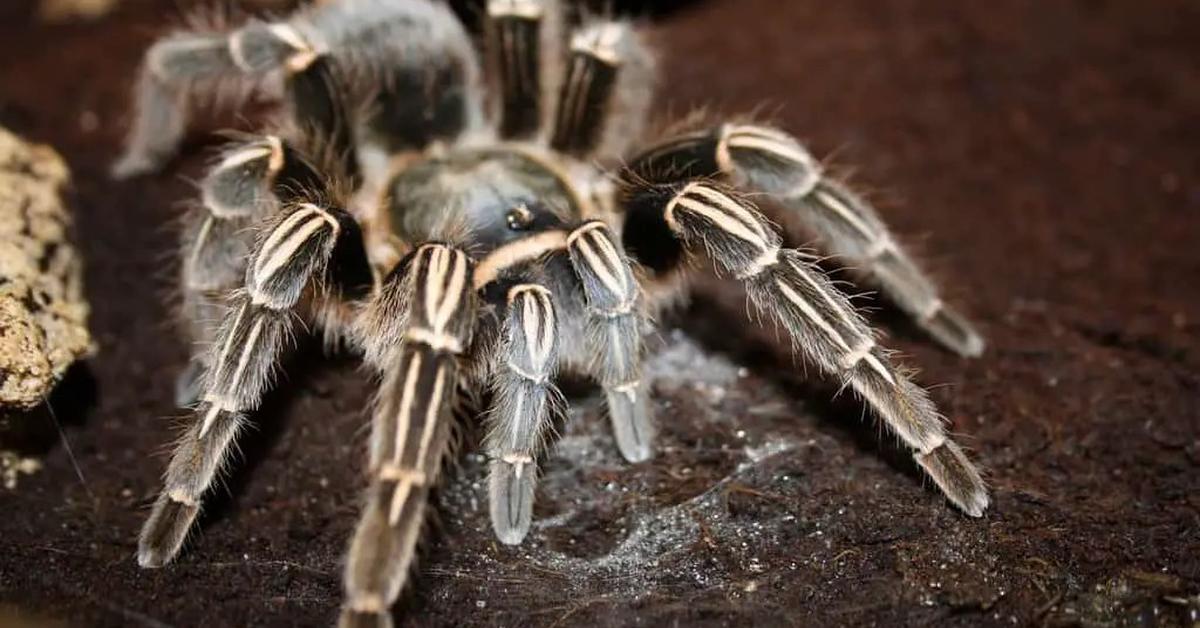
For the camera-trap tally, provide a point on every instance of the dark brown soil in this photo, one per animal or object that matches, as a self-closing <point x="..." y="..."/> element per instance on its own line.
<point x="1044" y="155"/>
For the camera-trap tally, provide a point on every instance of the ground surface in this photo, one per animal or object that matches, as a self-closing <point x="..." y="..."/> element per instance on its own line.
<point x="1044" y="155"/>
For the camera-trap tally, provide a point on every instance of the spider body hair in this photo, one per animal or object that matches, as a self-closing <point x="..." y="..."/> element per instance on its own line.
<point x="473" y="244"/>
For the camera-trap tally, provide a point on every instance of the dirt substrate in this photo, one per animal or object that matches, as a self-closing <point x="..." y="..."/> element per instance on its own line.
<point x="1043" y="155"/>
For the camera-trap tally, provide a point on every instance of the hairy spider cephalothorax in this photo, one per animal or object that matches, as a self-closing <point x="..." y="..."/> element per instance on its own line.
<point x="471" y="239"/>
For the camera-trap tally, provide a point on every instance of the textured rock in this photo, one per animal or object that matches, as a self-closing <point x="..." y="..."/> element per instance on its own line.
<point x="43" y="314"/>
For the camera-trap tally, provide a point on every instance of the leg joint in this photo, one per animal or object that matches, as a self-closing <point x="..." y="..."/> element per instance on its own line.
<point x="368" y="604"/>
<point x="758" y="265"/>
<point x="434" y="340"/>
<point x="396" y="473"/>
<point x="603" y="42"/>
<point x="259" y="47"/>
<point x="534" y="378"/>
<point x="629" y="388"/>
<point x="524" y="9"/>
<point x="182" y="497"/>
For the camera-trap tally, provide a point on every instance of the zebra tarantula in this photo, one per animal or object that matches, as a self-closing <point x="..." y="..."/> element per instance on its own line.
<point x="471" y="239"/>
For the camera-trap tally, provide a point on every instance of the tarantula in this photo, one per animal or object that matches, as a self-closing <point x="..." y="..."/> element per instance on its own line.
<point x="468" y="239"/>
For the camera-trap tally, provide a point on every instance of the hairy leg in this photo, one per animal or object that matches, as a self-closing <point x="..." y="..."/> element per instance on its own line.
<point x="407" y="70"/>
<point x="419" y="324"/>
<point x="525" y="403"/>
<point x="606" y="91"/>
<point x="292" y="252"/>
<point x="179" y="67"/>
<point x="614" y="341"/>
<point x="249" y="183"/>
<point x="762" y="159"/>
<point x="819" y="319"/>
<point x="523" y="51"/>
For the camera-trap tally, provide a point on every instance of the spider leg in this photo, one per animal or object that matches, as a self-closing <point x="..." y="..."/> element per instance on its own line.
<point x="606" y="91"/>
<point x="293" y="250"/>
<point x="762" y="159"/>
<point x="407" y="70"/>
<point x="249" y="183"/>
<point x="525" y="400"/>
<point x="318" y="106"/>
<point x="419" y="324"/>
<point x="523" y="52"/>
<point x="179" y="67"/>
<point x="615" y="335"/>
<point x="819" y="318"/>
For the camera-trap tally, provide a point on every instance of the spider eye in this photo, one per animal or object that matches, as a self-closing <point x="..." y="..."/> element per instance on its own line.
<point x="519" y="218"/>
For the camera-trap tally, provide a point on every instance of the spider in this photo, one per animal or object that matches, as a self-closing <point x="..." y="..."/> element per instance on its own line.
<point x="472" y="231"/>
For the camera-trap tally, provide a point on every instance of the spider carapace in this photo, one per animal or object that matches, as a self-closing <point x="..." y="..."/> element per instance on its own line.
<point x="496" y="195"/>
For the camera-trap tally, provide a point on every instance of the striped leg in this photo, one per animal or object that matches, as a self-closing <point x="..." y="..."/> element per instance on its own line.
<point x="819" y="319"/>
<point x="410" y="427"/>
<point x="526" y="399"/>
<point x="295" y="248"/>
<point x="245" y="186"/>
<point x="178" y="67"/>
<point x="615" y="334"/>
<point x="523" y="51"/>
<point x="606" y="91"/>
<point x="761" y="159"/>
